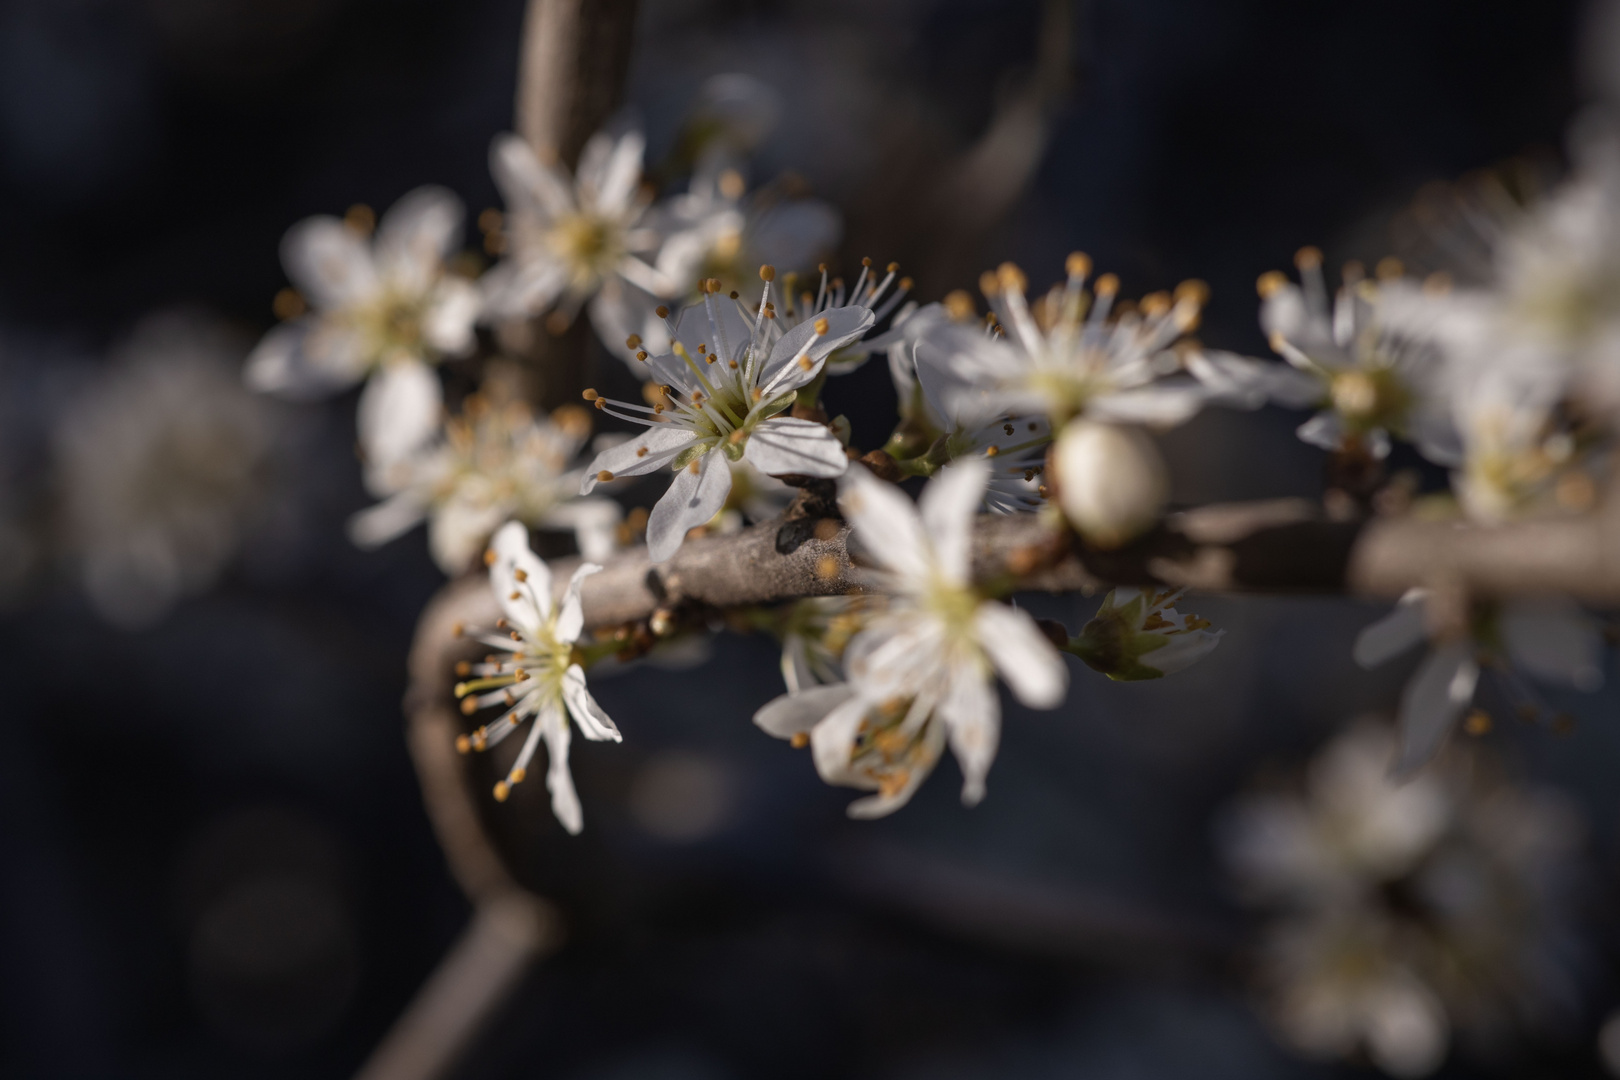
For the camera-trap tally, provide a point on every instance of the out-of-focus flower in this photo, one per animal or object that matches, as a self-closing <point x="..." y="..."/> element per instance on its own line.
<point x="1369" y="382"/>
<point x="1549" y="637"/>
<point x="921" y="673"/>
<point x="726" y="381"/>
<point x="534" y="673"/>
<point x="1406" y="911"/>
<point x="1520" y="456"/>
<point x="1072" y="353"/>
<point x="162" y="461"/>
<point x="1138" y="634"/>
<point x="495" y="462"/>
<point x="587" y="239"/>
<point x="382" y="310"/>
<point x="1111" y="481"/>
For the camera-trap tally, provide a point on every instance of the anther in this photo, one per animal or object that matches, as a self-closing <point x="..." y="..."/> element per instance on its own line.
<point x="641" y="354"/>
<point x="1270" y="283"/>
<point x="502" y="790"/>
<point x="633" y="341"/>
<point x="463" y="744"/>
<point x="469" y="706"/>
<point x="604" y="476"/>
<point x="1308" y="258"/>
<point x="1107" y="285"/>
<point x="1078" y="264"/>
<point x="1011" y="278"/>
<point x="601" y="404"/>
<point x="988" y="284"/>
<point x="1389" y="267"/>
<point x="822" y="326"/>
<point x="661" y="311"/>
<point x="992" y="450"/>
<point x="463" y="669"/>
<point x="641" y="451"/>
<point x="892" y="267"/>
<point x="590" y="395"/>
<point x="1194" y="291"/>
<point x="959" y="305"/>
<point x="800" y="740"/>
<point x="489" y="556"/>
<point x="521" y="574"/>
<point x="767" y="272"/>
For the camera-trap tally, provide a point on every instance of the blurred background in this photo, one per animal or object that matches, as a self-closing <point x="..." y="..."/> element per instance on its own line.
<point x="213" y="855"/>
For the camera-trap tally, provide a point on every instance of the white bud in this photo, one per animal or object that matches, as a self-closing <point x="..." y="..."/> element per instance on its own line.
<point x="1112" y="483"/>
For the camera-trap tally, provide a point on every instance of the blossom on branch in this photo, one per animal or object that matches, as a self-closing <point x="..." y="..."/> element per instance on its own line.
<point x="535" y="671"/>
<point x="726" y="381"/>
<point x="921" y="672"/>
<point x="383" y="310"/>
<point x="495" y="462"/>
<point x="1138" y="634"/>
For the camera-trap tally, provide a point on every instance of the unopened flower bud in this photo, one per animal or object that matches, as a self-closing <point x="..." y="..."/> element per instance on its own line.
<point x="1112" y="483"/>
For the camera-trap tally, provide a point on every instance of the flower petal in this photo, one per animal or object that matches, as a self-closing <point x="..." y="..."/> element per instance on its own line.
<point x="529" y="188"/>
<point x="571" y="614"/>
<point x="947" y="507"/>
<point x="595" y="523"/>
<point x="660" y="443"/>
<point x="393" y="517"/>
<point x="559" y="781"/>
<point x="885" y="522"/>
<point x="1023" y="656"/>
<point x="785" y="446"/>
<point x="416" y="235"/>
<point x="794" y="714"/>
<point x="1432" y="702"/>
<point x="453" y="310"/>
<point x="593" y="722"/>
<point x="698" y="493"/>
<point x="1395" y="633"/>
<point x="329" y="263"/>
<point x="399" y="412"/>
<point x="303" y="360"/>
<point x="527" y="603"/>
<point x="844" y="325"/>
<point x="972" y="715"/>
<point x="459" y="532"/>
<point x="832" y="745"/>
<point x="1157" y="406"/>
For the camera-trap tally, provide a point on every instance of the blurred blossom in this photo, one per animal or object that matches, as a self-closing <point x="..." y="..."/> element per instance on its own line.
<point x="1404" y="912"/>
<point x="496" y="461"/>
<point x="382" y="311"/>
<point x="162" y="464"/>
<point x="815" y="633"/>
<point x="587" y="239"/>
<point x="1549" y="637"/>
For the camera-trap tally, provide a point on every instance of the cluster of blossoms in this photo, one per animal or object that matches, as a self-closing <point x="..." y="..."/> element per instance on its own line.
<point x="1404" y="912"/>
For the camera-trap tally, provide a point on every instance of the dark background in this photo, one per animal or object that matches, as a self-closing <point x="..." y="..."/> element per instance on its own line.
<point x="213" y="858"/>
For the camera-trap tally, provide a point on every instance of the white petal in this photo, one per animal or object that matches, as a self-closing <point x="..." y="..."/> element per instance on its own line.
<point x="886" y="523"/>
<point x="1553" y="639"/>
<point x="1432" y="702"/>
<point x="284" y="362"/>
<point x="329" y="263"/>
<point x="595" y="523"/>
<point x="785" y="446"/>
<point x="1400" y="630"/>
<point x="391" y="518"/>
<point x="972" y="715"/>
<point x="881" y="805"/>
<point x="661" y="443"/>
<point x="454" y="309"/>
<point x="528" y="186"/>
<point x="691" y="500"/>
<point x="527" y="603"/>
<point x="399" y="412"/>
<point x="1023" y="656"/>
<point x="515" y="289"/>
<point x="1157" y="406"/>
<point x="459" y="532"/>
<point x="571" y="613"/>
<point x="1324" y="430"/>
<point x="844" y="325"/>
<point x="591" y="719"/>
<point x="947" y="508"/>
<point x="1181" y="650"/>
<point x="793" y="714"/>
<point x="559" y="781"/>
<point x="616" y="183"/>
<point x="832" y="742"/>
<point x="416" y="235"/>
<point x="1249" y="383"/>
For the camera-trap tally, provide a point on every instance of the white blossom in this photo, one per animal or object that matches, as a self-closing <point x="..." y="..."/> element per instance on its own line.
<point x="1073" y="353"/>
<point x="495" y="462"/>
<point x="815" y="633"/>
<point x="535" y="672"/>
<point x="383" y="310"/>
<point x="921" y="673"/>
<point x="163" y="462"/>
<point x="1549" y="638"/>
<point x="726" y="381"/>
<point x="587" y="239"/>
